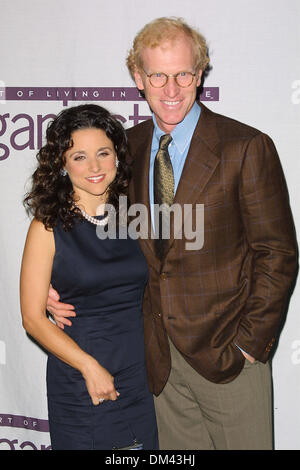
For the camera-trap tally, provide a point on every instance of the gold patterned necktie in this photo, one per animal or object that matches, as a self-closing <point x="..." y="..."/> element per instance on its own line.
<point x="163" y="190"/>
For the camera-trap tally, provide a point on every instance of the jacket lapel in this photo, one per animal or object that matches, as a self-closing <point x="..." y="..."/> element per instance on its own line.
<point x="201" y="162"/>
<point x="140" y="177"/>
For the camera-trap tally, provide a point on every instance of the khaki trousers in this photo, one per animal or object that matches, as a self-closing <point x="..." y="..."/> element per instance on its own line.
<point x="193" y="413"/>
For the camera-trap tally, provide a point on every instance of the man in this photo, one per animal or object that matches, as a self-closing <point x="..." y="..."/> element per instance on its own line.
<point x="211" y="315"/>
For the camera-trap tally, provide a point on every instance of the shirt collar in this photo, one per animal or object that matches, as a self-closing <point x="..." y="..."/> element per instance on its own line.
<point x="182" y="133"/>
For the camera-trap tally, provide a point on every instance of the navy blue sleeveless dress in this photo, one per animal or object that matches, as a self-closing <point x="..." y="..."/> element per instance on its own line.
<point x="105" y="281"/>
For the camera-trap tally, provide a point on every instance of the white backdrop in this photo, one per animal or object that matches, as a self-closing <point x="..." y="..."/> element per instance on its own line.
<point x="76" y="50"/>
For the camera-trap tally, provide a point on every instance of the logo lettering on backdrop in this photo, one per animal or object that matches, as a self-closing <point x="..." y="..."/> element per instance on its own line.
<point x="2" y="92"/>
<point x="30" y="129"/>
<point x="24" y="422"/>
<point x="296" y="354"/>
<point x="8" y="444"/>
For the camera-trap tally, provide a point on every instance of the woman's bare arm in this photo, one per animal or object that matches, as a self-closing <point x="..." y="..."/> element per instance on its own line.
<point x="34" y="286"/>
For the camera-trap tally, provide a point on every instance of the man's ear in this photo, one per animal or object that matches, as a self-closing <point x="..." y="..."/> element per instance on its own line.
<point x="138" y="80"/>
<point x="198" y="77"/>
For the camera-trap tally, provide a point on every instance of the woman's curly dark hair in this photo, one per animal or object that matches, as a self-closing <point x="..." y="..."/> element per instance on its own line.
<point x="51" y="198"/>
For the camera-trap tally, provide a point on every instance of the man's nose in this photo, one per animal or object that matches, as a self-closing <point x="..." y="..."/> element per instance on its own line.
<point x="171" y="88"/>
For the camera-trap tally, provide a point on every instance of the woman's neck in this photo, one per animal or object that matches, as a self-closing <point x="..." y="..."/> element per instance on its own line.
<point x="93" y="206"/>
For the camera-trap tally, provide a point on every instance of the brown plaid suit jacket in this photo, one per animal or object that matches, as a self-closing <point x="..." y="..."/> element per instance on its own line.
<point x="234" y="290"/>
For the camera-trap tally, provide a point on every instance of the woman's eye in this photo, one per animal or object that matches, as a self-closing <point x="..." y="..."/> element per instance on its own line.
<point x="79" y="157"/>
<point x="103" y="154"/>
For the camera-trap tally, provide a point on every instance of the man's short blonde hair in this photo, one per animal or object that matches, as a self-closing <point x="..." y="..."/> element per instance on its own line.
<point x="166" y="29"/>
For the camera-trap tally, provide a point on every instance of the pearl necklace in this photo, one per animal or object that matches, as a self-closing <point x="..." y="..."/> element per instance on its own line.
<point x="93" y="220"/>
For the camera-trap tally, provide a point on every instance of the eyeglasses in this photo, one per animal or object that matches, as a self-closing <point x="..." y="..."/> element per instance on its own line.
<point x="159" y="79"/>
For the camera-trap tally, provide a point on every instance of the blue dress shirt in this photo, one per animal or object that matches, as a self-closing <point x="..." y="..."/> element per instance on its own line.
<point x="178" y="148"/>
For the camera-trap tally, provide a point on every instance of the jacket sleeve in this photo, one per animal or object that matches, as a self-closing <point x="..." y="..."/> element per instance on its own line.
<point x="270" y="233"/>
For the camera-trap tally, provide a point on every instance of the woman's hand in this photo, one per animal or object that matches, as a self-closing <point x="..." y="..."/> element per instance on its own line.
<point x="99" y="382"/>
<point x="59" y="311"/>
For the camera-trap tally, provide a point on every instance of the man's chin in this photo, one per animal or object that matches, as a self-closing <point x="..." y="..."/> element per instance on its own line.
<point x="168" y="123"/>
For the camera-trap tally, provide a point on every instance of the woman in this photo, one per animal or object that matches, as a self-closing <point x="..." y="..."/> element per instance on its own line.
<point x="98" y="396"/>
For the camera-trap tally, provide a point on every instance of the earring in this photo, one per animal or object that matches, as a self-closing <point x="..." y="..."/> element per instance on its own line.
<point x="117" y="162"/>
<point x="63" y="172"/>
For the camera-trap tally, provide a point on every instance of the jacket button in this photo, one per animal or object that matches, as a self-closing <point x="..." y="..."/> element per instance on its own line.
<point x="164" y="276"/>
